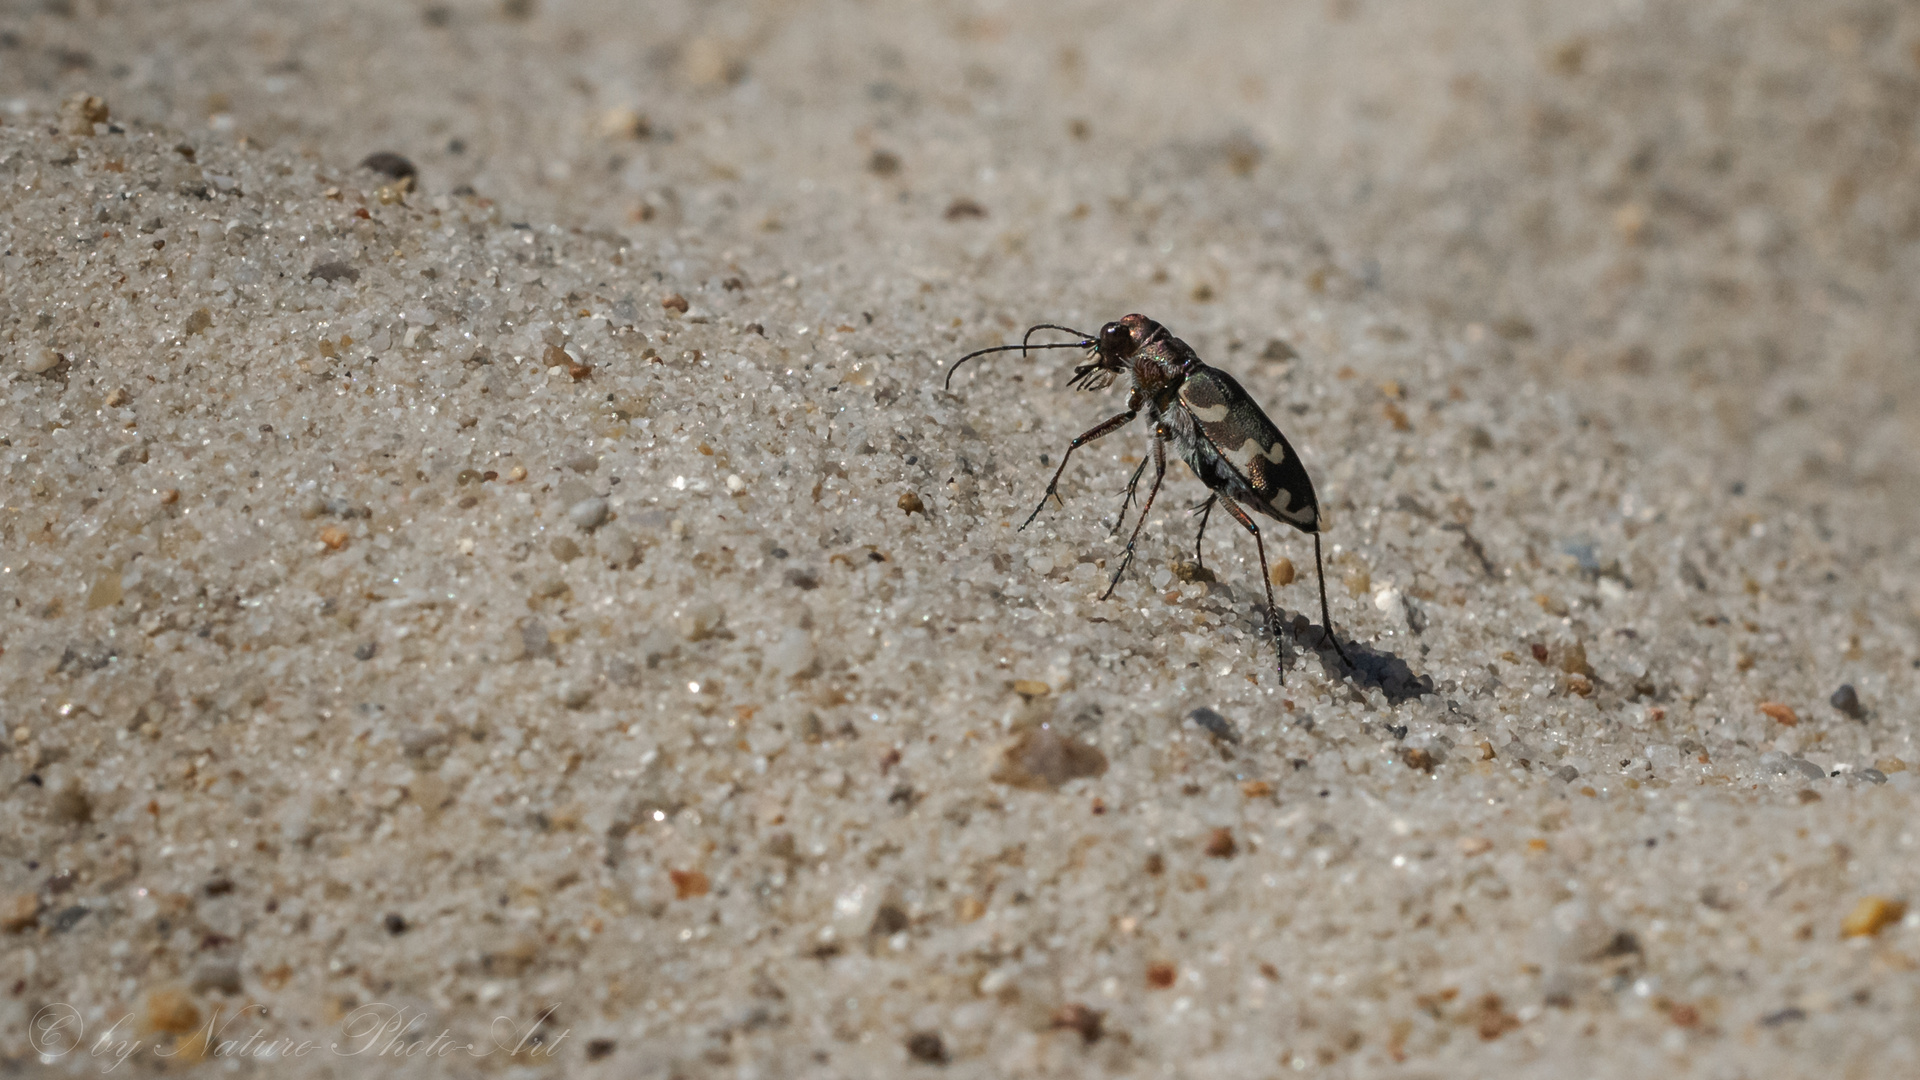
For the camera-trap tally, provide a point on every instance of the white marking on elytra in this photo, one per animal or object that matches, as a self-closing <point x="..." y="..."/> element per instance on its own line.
<point x="1251" y="449"/>
<point x="1211" y="414"/>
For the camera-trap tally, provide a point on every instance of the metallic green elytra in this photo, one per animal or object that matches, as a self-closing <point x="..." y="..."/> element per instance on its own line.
<point x="1212" y="423"/>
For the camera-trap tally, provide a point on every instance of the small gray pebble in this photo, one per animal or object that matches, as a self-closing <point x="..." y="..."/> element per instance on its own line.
<point x="1847" y="701"/>
<point x="365" y="650"/>
<point x="575" y="697"/>
<point x="1567" y="773"/>
<point x="588" y="513"/>
<point x="1216" y="725"/>
<point x="1874" y="776"/>
<point x="220" y="975"/>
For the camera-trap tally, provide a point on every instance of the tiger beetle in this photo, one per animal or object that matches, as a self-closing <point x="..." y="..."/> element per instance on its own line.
<point x="1213" y="423"/>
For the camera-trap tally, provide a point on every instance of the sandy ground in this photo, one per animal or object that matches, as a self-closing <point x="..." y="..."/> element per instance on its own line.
<point x="545" y="616"/>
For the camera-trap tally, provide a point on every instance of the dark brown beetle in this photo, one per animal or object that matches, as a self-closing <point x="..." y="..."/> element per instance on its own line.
<point x="1212" y="422"/>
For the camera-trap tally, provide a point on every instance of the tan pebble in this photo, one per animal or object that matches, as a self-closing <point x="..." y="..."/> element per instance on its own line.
<point x="334" y="537"/>
<point x="80" y="112"/>
<point x="516" y="474"/>
<point x="1042" y="759"/>
<point x="675" y="303"/>
<point x="1220" y="843"/>
<point x="170" y="1010"/>
<point x="1359" y="581"/>
<point x="971" y="908"/>
<point x="555" y="356"/>
<point x="169" y="496"/>
<point x="106" y="590"/>
<point x="911" y="504"/>
<point x="1890" y="765"/>
<point x="1872" y="915"/>
<point x="1475" y="845"/>
<point x="1782" y="713"/>
<point x="17" y="912"/>
<point x="1161" y="976"/>
<point x="1580" y="684"/>
<point x="1418" y="759"/>
<point x="688" y="884"/>
<point x="1255" y="789"/>
<point x="1031" y="688"/>
<point x="36" y="361"/>
<point x="1282" y="572"/>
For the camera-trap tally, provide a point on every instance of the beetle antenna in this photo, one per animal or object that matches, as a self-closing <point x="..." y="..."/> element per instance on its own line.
<point x="1023" y="347"/>
<point x="1085" y="339"/>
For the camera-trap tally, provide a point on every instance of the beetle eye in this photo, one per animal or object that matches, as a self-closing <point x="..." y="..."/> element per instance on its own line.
<point x="1115" y="340"/>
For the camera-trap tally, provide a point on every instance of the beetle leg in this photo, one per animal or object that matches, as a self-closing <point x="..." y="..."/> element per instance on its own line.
<point x="1273" y="613"/>
<point x="1132" y="486"/>
<point x="1205" y="509"/>
<point x="1140" y="522"/>
<point x="1326" y="619"/>
<point x="1106" y="427"/>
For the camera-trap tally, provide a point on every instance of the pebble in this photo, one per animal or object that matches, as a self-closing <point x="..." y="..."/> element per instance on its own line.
<point x="217" y="975"/>
<point x="926" y="1046"/>
<point x="1775" y="763"/>
<point x="793" y="654"/>
<point x="1214" y="724"/>
<point x="1220" y="843"/>
<point x="390" y="165"/>
<point x="1872" y="915"/>
<point x="80" y="112"/>
<point x="1782" y="714"/>
<point x="1042" y="759"/>
<point x="171" y="1010"/>
<point x="588" y="513"/>
<point x="18" y="912"/>
<point x="1077" y="1017"/>
<point x="1847" y="701"/>
<point x="37" y="361"/>
<point x="617" y="549"/>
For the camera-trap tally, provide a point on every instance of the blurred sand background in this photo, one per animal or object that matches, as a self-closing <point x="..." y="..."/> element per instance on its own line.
<point x="560" y="588"/>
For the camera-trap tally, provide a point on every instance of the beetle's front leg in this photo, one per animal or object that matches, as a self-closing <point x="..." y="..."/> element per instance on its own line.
<point x="1199" y="562"/>
<point x="1106" y="427"/>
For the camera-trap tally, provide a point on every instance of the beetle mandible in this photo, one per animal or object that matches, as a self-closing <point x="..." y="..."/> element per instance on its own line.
<point x="1214" y="425"/>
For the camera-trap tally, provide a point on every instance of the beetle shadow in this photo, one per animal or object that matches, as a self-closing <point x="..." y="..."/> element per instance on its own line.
<point x="1372" y="668"/>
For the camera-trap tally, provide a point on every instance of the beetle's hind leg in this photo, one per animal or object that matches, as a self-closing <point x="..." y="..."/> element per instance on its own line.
<point x="1326" y="617"/>
<point x="1159" y="474"/>
<point x="1266" y="579"/>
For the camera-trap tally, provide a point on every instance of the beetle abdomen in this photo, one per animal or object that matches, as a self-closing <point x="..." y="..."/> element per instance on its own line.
<point x="1239" y="435"/>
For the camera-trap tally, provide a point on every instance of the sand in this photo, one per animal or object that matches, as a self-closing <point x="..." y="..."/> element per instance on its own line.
<point x="534" y="608"/>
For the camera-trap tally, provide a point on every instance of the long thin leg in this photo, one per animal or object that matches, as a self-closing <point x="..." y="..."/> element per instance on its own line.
<point x="1159" y="474"/>
<point x="1273" y="612"/>
<point x="1133" y="485"/>
<point x="1326" y="618"/>
<point x="1205" y="509"/>
<point x="1105" y="427"/>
